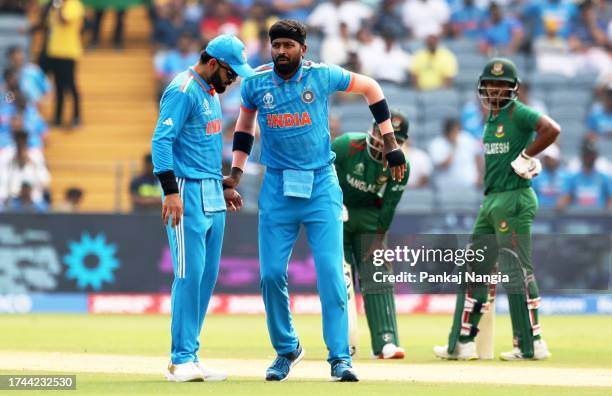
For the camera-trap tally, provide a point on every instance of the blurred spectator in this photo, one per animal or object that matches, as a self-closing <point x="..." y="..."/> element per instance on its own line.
<point x="466" y="21"/>
<point x="32" y="80"/>
<point x="457" y="158"/>
<point x="100" y="8"/>
<point x="422" y="17"/>
<point x="73" y="197"/>
<point x="420" y="165"/>
<point x="259" y="53"/>
<point x="258" y="20"/>
<point x="19" y="115"/>
<point x="548" y="185"/>
<point x="587" y="188"/>
<point x="293" y="9"/>
<point x="222" y="19"/>
<point x="524" y="95"/>
<point x="552" y="52"/>
<point x="391" y="63"/>
<point x="327" y="16"/>
<point x="588" y="40"/>
<point x="388" y="15"/>
<point x="20" y="169"/>
<point x="335" y="49"/>
<point x="368" y="49"/>
<point x="599" y="121"/>
<point x="542" y="12"/>
<point x="500" y="34"/>
<point x="24" y="202"/>
<point x="64" y="50"/>
<point x="169" y="64"/>
<point x="433" y="67"/>
<point x="145" y="190"/>
<point x="168" y="23"/>
<point x="10" y="86"/>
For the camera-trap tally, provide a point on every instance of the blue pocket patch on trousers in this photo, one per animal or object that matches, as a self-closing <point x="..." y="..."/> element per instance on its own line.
<point x="297" y="183"/>
<point x="212" y="196"/>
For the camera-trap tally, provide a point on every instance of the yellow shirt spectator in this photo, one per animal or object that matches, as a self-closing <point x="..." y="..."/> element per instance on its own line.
<point x="65" y="37"/>
<point x="433" y="70"/>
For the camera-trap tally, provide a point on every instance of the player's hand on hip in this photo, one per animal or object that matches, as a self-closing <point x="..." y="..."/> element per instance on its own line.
<point x="393" y="157"/>
<point x="233" y="200"/>
<point x="525" y="166"/>
<point x="172" y="208"/>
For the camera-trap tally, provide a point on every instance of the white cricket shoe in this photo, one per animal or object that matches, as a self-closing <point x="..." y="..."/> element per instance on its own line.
<point x="540" y="352"/>
<point x="184" y="372"/>
<point x="210" y="374"/>
<point x="392" y="351"/>
<point x="463" y="351"/>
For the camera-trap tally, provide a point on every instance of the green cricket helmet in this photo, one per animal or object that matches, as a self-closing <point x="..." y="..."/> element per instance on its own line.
<point x="500" y="97"/>
<point x="400" y="130"/>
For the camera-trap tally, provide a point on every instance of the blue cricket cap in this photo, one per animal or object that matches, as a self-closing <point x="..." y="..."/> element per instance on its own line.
<point x="229" y="49"/>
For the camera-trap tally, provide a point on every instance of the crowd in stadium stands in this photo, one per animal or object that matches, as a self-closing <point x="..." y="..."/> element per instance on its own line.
<point x="426" y="53"/>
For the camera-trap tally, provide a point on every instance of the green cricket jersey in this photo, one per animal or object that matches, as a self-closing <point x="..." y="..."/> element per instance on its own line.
<point x="505" y="136"/>
<point x="363" y="181"/>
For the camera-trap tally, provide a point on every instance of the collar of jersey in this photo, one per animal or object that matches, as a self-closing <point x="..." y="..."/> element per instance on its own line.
<point x="210" y="90"/>
<point x="295" y="78"/>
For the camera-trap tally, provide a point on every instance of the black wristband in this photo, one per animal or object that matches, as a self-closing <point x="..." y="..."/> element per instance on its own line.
<point x="395" y="158"/>
<point x="168" y="182"/>
<point x="380" y="111"/>
<point x="243" y="141"/>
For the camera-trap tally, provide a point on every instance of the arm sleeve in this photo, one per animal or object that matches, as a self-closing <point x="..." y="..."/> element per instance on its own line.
<point x="339" y="79"/>
<point x="528" y="118"/>
<point x="392" y="196"/>
<point x="174" y="110"/>
<point x="245" y="102"/>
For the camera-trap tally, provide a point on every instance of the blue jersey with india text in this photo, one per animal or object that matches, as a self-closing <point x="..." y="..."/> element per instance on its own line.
<point x="187" y="138"/>
<point x="293" y="114"/>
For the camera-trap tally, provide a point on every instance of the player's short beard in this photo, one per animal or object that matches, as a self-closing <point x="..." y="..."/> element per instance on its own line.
<point x="285" y="69"/>
<point x="217" y="82"/>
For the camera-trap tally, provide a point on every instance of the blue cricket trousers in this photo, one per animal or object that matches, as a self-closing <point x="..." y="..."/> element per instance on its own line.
<point x="279" y="223"/>
<point x="196" y="251"/>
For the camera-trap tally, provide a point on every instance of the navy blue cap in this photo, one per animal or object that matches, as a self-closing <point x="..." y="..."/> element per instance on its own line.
<point x="229" y="49"/>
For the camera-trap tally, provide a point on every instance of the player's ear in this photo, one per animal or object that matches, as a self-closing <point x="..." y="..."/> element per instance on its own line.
<point x="304" y="49"/>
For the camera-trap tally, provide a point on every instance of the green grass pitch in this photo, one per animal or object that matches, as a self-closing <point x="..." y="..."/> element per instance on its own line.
<point x="575" y="341"/>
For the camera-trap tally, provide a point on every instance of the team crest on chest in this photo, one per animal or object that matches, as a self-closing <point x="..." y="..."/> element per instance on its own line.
<point x="499" y="133"/>
<point x="503" y="226"/>
<point x="382" y="179"/>
<point x="358" y="169"/>
<point x="308" y="96"/>
<point x="268" y="101"/>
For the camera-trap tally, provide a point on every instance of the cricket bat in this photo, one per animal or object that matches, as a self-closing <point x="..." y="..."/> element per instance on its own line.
<point x="352" y="308"/>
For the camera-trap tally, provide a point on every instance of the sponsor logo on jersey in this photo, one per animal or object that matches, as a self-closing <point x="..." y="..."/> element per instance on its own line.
<point x="268" y="101"/>
<point x="497" y="69"/>
<point x="503" y="226"/>
<point x="213" y="127"/>
<point x="358" y="169"/>
<point x="288" y="120"/>
<point x="382" y="179"/>
<point x="499" y="133"/>
<point x="362" y="185"/>
<point x="398" y="187"/>
<point x="168" y="122"/>
<point x="308" y="96"/>
<point x="206" y="106"/>
<point x="496" y="148"/>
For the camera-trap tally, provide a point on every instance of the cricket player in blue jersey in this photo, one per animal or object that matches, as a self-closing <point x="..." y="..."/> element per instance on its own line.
<point x="187" y="148"/>
<point x="289" y="99"/>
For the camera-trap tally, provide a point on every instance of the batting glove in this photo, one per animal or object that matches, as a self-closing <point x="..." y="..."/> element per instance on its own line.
<point x="525" y="166"/>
